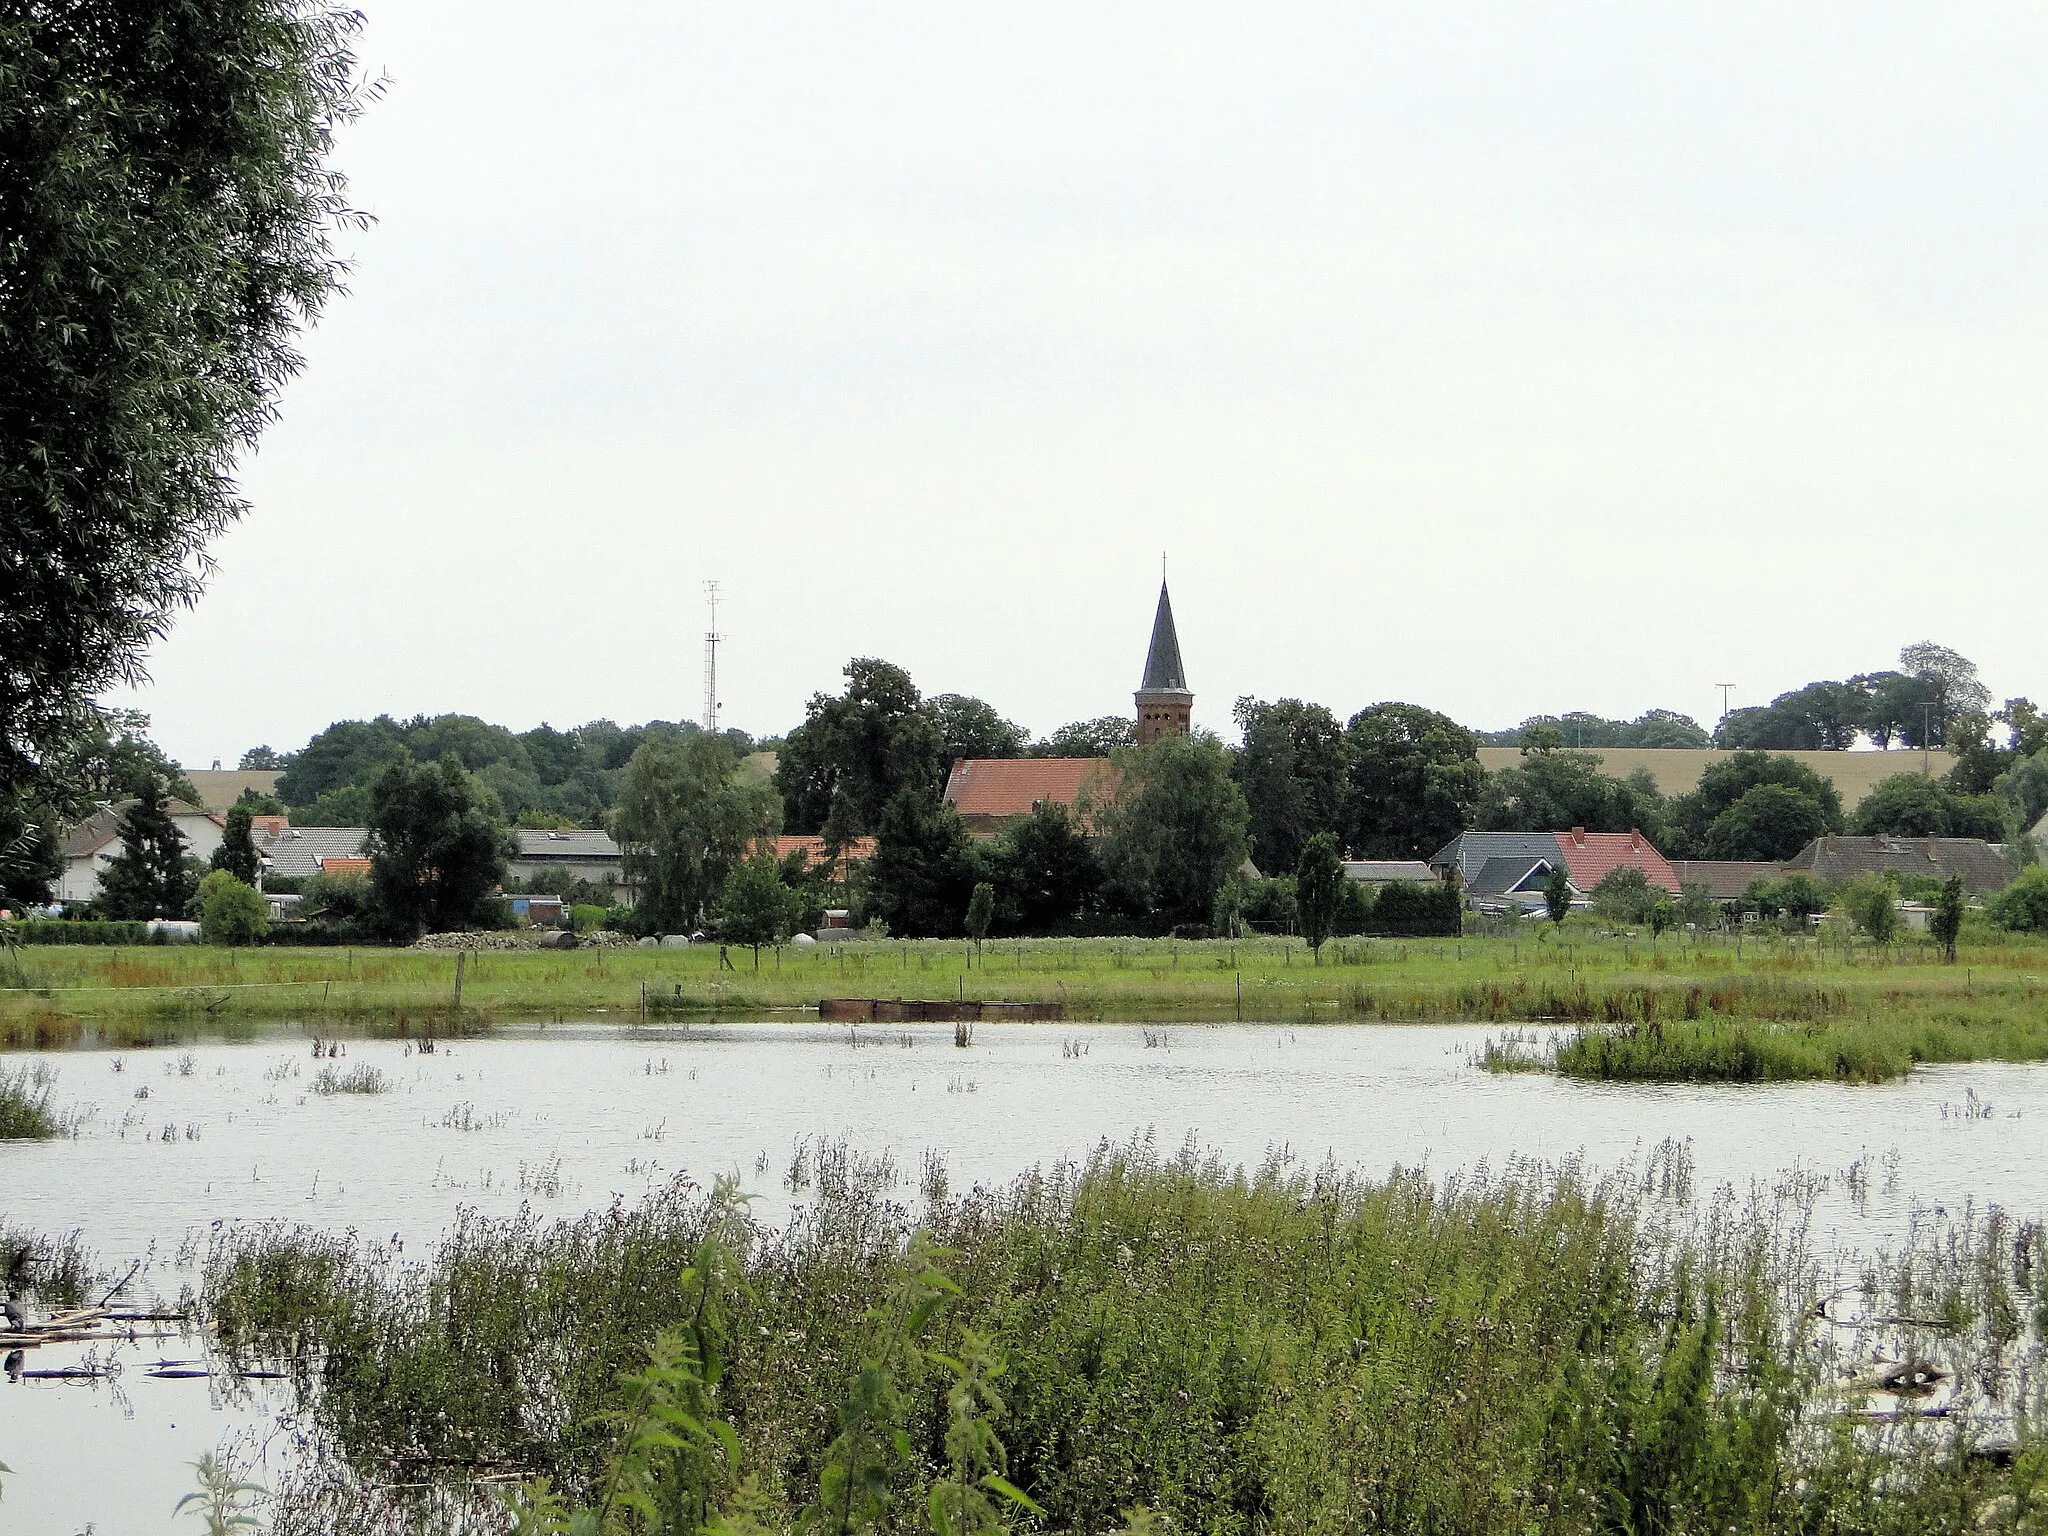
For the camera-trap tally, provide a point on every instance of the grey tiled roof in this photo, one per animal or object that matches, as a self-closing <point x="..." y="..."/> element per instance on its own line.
<point x="1468" y="850"/>
<point x="1982" y="867"/>
<point x="561" y="847"/>
<point x="298" y="852"/>
<point x="1508" y="872"/>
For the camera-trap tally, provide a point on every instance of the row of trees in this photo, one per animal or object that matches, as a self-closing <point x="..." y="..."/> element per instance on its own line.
<point x="1915" y="704"/>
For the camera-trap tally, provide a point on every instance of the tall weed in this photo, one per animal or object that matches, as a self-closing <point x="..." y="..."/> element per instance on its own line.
<point x="1529" y="1351"/>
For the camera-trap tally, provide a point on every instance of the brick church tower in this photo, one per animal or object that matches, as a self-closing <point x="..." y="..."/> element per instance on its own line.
<point x="1165" y="706"/>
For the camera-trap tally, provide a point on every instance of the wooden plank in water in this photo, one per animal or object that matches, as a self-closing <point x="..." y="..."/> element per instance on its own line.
<point x="945" y="1010"/>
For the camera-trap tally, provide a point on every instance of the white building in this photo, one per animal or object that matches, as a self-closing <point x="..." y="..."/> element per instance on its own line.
<point x="91" y="845"/>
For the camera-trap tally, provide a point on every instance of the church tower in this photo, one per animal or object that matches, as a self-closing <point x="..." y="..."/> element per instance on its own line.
<point x="1165" y="706"/>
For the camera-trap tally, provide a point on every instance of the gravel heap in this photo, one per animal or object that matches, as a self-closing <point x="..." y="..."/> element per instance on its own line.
<point x="524" y="938"/>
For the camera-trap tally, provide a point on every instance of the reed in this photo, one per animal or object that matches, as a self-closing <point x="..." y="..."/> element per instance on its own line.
<point x="1531" y="1351"/>
<point x="25" y="1094"/>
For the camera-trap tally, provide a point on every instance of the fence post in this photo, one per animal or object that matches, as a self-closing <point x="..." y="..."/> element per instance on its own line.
<point x="461" y="960"/>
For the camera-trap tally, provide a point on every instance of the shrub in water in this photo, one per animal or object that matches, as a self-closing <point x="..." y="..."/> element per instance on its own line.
<point x="361" y="1078"/>
<point x="25" y="1102"/>
<point x="1238" y="1353"/>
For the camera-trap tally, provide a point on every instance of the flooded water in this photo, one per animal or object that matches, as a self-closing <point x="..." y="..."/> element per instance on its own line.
<point x="569" y="1118"/>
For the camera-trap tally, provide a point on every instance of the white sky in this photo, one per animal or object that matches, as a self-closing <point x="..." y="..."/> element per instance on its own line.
<point x="1495" y="361"/>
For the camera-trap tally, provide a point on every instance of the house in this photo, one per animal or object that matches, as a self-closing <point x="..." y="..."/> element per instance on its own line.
<point x="992" y="792"/>
<point x="1725" y="879"/>
<point x="817" y="855"/>
<point x="90" y="846"/>
<point x="1378" y="872"/>
<point x="1834" y="859"/>
<point x="1592" y="856"/>
<point x="299" y="853"/>
<point x="1496" y="866"/>
<point x="579" y="853"/>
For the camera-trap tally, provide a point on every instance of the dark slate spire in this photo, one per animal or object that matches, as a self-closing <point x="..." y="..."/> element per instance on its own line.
<point x="1163" y="671"/>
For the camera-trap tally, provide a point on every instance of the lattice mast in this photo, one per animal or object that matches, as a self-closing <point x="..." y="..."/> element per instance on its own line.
<point x="711" y="640"/>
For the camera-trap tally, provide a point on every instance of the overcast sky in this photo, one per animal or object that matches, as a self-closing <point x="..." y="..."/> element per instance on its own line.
<point x="1500" y="359"/>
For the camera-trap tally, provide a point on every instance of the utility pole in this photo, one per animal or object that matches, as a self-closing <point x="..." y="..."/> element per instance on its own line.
<point x="1926" y="730"/>
<point x="711" y="639"/>
<point x="1726" y="689"/>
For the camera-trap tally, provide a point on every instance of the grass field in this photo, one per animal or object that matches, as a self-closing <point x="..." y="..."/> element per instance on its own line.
<point x="1615" y="1007"/>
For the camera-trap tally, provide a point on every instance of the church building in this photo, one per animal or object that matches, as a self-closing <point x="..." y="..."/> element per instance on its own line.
<point x="991" y="792"/>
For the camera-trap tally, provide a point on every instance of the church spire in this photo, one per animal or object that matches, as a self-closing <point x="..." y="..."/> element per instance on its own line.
<point x="1165" y="704"/>
<point x="1163" y="671"/>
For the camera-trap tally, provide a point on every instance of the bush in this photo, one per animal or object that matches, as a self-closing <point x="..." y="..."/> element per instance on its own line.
<point x="47" y="931"/>
<point x="2023" y="906"/>
<point x="1624" y="896"/>
<point x="1872" y="903"/>
<point x="231" y="912"/>
<point x="585" y="918"/>
<point x="1407" y="910"/>
<point x="25" y="1103"/>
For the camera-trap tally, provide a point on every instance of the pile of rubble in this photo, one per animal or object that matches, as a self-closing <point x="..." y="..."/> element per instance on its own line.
<point x="527" y="938"/>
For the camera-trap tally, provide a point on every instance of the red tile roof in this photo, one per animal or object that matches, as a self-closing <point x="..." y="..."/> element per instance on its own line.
<point x="1589" y="856"/>
<point x="336" y="865"/>
<point x="859" y="851"/>
<point x="999" y="788"/>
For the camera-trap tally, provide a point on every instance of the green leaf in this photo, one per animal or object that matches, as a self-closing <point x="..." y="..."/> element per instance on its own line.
<point x="1010" y="1491"/>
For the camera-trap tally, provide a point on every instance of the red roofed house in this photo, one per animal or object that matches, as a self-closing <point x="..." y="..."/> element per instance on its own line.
<point x="858" y="851"/>
<point x="1589" y="856"/>
<point x="991" y="792"/>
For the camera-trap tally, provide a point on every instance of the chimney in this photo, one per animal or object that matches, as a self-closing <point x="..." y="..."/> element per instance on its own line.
<point x="1635" y="841"/>
<point x="1578" y="837"/>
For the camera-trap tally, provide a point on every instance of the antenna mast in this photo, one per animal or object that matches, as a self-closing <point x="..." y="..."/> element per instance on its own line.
<point x="711" y="639"/>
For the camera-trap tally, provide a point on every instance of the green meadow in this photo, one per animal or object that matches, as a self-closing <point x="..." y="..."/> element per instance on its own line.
<point x="1577" y="1000"/>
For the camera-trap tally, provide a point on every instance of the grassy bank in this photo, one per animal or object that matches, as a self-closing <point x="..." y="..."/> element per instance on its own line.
<point x="1522" y="1353"/>
<point x="1682" y="1008"/>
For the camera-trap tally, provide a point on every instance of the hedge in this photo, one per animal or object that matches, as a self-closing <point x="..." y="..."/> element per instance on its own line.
<point x="47" y="931"/>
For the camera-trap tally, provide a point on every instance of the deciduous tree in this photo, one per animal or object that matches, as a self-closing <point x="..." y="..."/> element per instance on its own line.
<point x="857" y="750"/>
<point x="230" y="910"/>
<point x="165" y="213"/>
<point x="755" y="907"/>
<point x="970" y="728"/>
<point x="1318" y="890"/>
<point x="1557" y="894"/>
<point x="923" y="872"/>
<point x="437" y="846"/>
<point x="1292" y="769"/>
<point x="688" y="815"/>
<point x="1045" y="870"/>
<point x="1089" y="738"/>
<point x="1413" y="781"/>
<point x="1947" y="922"/>
<point x="1177" y="827"/>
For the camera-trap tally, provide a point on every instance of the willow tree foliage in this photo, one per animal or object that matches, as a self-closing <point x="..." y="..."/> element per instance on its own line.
<point x="166" y="215"/>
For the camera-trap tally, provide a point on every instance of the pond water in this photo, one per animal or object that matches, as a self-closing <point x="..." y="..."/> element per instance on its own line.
<point x="568" y="1118"/>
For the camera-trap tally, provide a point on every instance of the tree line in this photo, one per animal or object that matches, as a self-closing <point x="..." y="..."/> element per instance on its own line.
<point x="1184" y="832"/>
